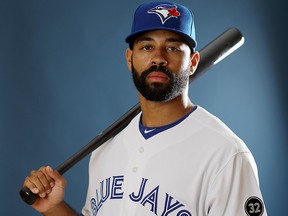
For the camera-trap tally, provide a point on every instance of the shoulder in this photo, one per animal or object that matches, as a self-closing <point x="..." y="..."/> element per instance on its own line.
<point x="214" y="132"/>
<point x="131" y="130"/>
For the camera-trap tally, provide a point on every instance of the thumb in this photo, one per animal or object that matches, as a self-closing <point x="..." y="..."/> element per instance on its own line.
<point x="58" y="178"/>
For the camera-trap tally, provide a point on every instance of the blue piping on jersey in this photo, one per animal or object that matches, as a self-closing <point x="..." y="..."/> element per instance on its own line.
<point x="148" y="132"/>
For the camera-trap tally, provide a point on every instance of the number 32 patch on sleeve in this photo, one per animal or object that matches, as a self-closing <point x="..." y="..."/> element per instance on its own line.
<point x="254" y="206"/>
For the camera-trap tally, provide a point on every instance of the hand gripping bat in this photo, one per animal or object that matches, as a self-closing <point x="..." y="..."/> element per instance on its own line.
<point x="210" y="55"/>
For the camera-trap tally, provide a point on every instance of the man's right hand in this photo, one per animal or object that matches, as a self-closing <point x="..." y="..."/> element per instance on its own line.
<point x="49" y="185"/>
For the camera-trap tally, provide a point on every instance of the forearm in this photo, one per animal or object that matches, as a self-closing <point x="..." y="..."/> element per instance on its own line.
<point x="63" y="209"/>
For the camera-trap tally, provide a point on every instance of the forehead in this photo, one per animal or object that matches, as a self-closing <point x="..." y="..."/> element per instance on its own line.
<point x="160" y="35"/>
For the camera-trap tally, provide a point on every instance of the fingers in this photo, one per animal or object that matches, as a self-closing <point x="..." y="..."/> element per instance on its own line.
<point x="59" y="181"/>
<point x="39" y="182"/>
<point x="42" y="181"/>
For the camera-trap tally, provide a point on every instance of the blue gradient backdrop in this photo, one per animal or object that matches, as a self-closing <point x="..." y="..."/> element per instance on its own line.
<point x="63" y="79"/>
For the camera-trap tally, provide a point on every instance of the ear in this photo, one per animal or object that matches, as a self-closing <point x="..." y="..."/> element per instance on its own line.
<point x="195" y="59"/>
<point x="129" y="58"/>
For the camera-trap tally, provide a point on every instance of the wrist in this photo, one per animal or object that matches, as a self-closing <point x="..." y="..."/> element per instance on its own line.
<point x="62" y="209"/>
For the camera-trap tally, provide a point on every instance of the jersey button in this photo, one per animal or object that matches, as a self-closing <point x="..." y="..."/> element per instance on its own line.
<point x="141" y="149"/>
<point x="135" y="169"/>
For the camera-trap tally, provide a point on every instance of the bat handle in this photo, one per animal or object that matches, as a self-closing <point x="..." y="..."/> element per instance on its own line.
<point x="27" y="195"/>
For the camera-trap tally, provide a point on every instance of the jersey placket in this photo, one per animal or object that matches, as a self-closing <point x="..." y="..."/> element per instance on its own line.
<point x="137" y="153"/>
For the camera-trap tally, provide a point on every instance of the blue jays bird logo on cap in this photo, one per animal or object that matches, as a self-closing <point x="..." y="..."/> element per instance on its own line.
<point x="165" y="11"/>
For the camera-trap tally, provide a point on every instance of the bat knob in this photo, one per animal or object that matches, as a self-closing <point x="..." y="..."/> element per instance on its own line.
<point x="27" y="195"/>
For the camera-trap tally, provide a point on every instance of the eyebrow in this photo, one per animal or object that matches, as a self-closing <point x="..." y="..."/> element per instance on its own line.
<point x="170" y="39"/>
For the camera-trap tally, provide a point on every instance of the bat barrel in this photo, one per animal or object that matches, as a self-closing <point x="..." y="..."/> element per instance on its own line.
<point x="218" y="49"/>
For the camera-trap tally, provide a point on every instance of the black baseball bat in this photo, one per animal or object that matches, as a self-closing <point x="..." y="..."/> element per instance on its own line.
<point x="210" y="55"/>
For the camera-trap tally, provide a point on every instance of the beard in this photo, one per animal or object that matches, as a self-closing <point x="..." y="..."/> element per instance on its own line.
<point x="160" y="92"/>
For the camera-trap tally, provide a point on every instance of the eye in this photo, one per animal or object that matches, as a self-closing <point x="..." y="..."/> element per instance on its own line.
<point x="174" y="49"/>
<point x="146" y="47"/>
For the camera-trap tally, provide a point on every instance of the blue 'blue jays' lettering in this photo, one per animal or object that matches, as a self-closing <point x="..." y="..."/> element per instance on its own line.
<point x="152" y="199"/>
<point x="137" y="198"/>
<point x="116" y="190"/>
<point x="168" y="208"/>
<point x="112" y="189"/>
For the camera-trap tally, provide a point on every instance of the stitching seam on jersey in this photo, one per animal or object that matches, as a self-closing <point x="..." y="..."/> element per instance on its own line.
<point x="223" y="168"/>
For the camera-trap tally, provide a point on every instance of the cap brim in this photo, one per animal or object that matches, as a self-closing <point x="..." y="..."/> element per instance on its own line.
<point x="132" y="37"/>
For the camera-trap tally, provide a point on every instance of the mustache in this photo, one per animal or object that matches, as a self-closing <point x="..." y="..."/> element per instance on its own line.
<point x="160" y="68"/>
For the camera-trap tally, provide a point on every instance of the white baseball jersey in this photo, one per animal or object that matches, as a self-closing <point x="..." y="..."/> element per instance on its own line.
<point x="198" y="167"/>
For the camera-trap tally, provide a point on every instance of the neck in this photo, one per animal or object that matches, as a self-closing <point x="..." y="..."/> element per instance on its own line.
<point x="155" y="114"/>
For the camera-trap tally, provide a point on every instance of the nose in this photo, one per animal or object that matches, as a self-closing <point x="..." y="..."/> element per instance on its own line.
<point x="159" y="57"/>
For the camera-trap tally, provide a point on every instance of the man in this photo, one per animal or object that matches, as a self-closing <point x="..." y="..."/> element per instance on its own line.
<point x="174" y="158"/>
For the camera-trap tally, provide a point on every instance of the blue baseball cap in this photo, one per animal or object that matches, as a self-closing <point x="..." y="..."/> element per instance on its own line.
<point x="164" y="15"/>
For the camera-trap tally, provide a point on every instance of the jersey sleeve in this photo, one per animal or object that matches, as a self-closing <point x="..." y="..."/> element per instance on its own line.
<point x="235" y="189"/>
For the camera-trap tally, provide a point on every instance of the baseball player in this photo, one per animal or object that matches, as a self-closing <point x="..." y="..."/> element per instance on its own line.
<point x="174" y="158"/>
